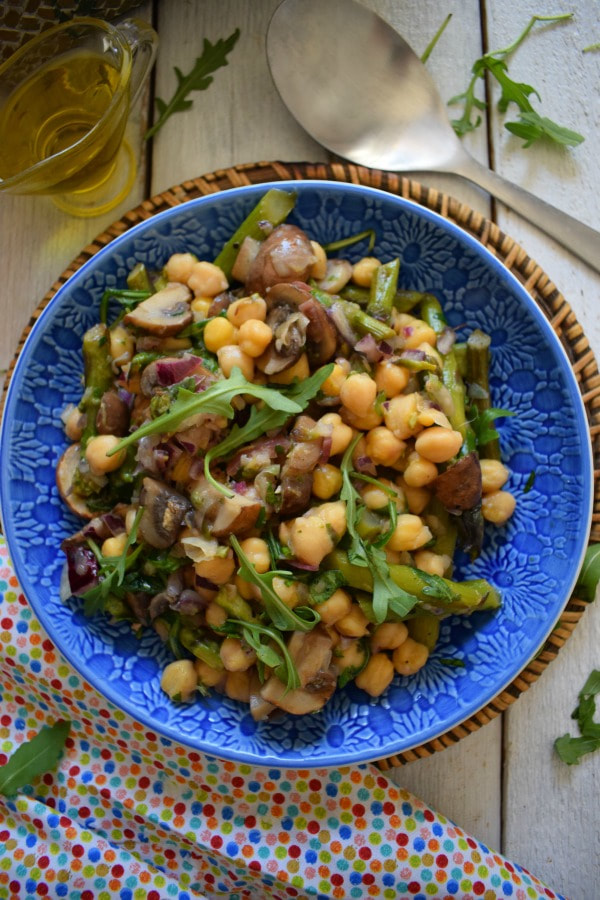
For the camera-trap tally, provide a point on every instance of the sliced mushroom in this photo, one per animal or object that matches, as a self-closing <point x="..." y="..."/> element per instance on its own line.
<point x="311" y="653"/>
<point x="246" y="255"/>
<point x="321" y="335"/>
<point x="164" y="510"/>
<point x="337" y="276"/>
<point x="300" y="701"/>
<point x="286" y="255"/>
<point x="236" y="515"/>
<point x="65" y="473"/>
<point x="164" y="313"/>
<point x="113" y="415"/>
<point x="459" y="487"/>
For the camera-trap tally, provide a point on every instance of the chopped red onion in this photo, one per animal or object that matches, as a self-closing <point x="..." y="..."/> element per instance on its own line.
<point x="305" y="567"/>
<point x="365" y="465"/>
<point x="83" y="569"/>
<point x="446" y="340"/>
<point x="325" y="450"/>
<point x="368" y="347"/>
<point x="126" y="396"/>
<point x="416" y="355"/>
<point x="340" y="320"/>
<point x="115" y="524"/>
<point x="172" y="371"/>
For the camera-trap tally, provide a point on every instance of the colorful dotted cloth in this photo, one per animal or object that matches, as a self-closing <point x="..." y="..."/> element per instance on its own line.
<point x="128" y="814"/>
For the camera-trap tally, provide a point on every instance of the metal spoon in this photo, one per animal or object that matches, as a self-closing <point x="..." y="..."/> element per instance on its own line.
<point x="358" y="88"/>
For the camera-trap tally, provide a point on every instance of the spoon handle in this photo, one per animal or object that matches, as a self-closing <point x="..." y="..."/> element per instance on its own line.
<point x="580" y="239"/>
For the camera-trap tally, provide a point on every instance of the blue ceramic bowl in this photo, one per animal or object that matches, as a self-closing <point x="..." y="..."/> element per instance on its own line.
<point x="533" y="560"/>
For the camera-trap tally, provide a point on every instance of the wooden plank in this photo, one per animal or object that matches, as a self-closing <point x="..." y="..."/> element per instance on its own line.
<point x="550" y="811"/>
<point x="39" y="240"/>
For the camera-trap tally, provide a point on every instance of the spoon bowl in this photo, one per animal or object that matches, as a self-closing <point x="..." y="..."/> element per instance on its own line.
<point x="358" y="88"/>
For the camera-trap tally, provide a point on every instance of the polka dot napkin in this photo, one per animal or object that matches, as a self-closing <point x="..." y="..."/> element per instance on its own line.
<point x="128" y="814"/>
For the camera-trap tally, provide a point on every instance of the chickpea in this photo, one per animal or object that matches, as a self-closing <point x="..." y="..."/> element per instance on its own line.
<point x="335" y="607"/>
<point x="200" y="307"/>
<point x="388" y="636"/>
<point x="417" y="498"/>
<point x="354" y="623"/>
<point x="358" y="393"/>
<point x="363" y="271"/>
<point x="298" y="372"/>
<point x="244" y="588"/>
<point x="318" y="270"/>
<point x="341" y="434"/>
<point x="96" y="450"/>
<point x="409" y="533"/>
<point x="310" y="540"/>
<point x="179" y="680"/>
<point x="245" y="308"/>
<point x="121" y="344"/>
<point x="370" y="420"/>
<point x="419" y="471"/>
<point x="414" y="331"/>
<point x="494" y="475"/>
<point x="432" y="416"/>
<point x="237" y="686"/>
<point x="231" y="356"/>
<point x="114" y="546"/>
<point x="433" y="563"/>
<point x="438" y="444"/>
<point x="498" y="507"/>
<point x="327" y="481"/>
<point x="333" y="383"/>
<point x="334" y="516"/>
<point x="401" y="415"/>
<point x="219" y="332"/>
<point x="383" y="447"/>
<point x="215" y="615"/>
<point x="391" y="378"/>
<point x="207" y="280"/>
<point x="74" y="422"/>
<point x="254" y="337"/>
<point x="258" y="554"/>
<point x="374" y="498"/>
<point x="236" y="655"/>
<point x="287" y="591"/>
<point x="376" y="676"/>
<point x="130" y="519"/>
<point x="206" y="674"/>
<point x="348" y="653"/>
<point x="409" y="657"/>
<point x="179" y="267"/>
<point x="218" y="570"/>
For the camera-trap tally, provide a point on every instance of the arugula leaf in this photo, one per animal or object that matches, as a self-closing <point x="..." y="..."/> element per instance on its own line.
<point x="33" y="758"/>
<point x="530" y="126"/>
<point x="350" y="672"/>
<point x="356" y="552"/>
<point x="437" y="587"/>
<point x="482" y="423"/>
<point x="112" y="571"/>
<point x="216" y="400"/>
<point x="589" y="577"/>
<point x="284" y="665"/>
<point x="214" y="56"/>
<point x="303" y="618"/>
<point x="453" y="662"/>
<point x="325" y="584"/>
<point x="571" y="749"/>
<point x="261" y="421"/>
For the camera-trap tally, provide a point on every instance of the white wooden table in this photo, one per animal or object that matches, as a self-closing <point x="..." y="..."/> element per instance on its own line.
<point x="503" y="783"/>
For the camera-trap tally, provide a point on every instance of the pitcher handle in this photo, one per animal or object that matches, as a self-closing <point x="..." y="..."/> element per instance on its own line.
<point x="143" y="43"/>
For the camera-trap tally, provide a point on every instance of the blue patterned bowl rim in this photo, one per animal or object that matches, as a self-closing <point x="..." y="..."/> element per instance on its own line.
<point x="363" y="753"/>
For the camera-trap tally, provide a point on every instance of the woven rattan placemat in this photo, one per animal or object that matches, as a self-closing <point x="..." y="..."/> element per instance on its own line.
<point x="533" y="278"/>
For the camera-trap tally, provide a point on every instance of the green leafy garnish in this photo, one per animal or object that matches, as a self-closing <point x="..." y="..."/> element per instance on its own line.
<point x="334" y="246"/>
<point x="284" y="665"/>
<point x="214" y="56"/>
<point x="216" y="400"/>
<point x="261" y="421"/>
<point x="430" y="46"/>
<point x="127" y="299"/>
<point x="571" y="749"/>
<point x="112" y="571"/>
<point x="33" y="758"/>
<point x="325" y="584"/>
<point x="530" y="126"/>
<point x="530" y="481"/>
<point x="303" y="618"/>
<point x="589" y="577"/>
<point x="386" y="594"/>
<point x="482" y="423"/>
<point x="437" y="587"/>
<point x="452" y="662"/>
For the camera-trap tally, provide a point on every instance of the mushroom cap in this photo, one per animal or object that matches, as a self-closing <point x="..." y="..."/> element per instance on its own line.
<point x="65" y="472"/>
<point x="286" y="255"/>
<point x="164" y="313"/>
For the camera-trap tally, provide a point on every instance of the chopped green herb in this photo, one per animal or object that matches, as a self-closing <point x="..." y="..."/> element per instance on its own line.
<point x="214" y="56"/>
<point x="452" y="662"/>
<point x="482" y="423"/>
<point x="530" y="482"/>
<point x="325" y="584"/>
<point x="33" y="758"/>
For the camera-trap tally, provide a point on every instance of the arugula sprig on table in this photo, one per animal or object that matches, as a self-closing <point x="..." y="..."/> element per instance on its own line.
<point x="571" y="749"/>
<point x="214" y="56"/>
<point x="530" y="125"/>
<point x="387" y="595"/>
<point x="261" y="421"/>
